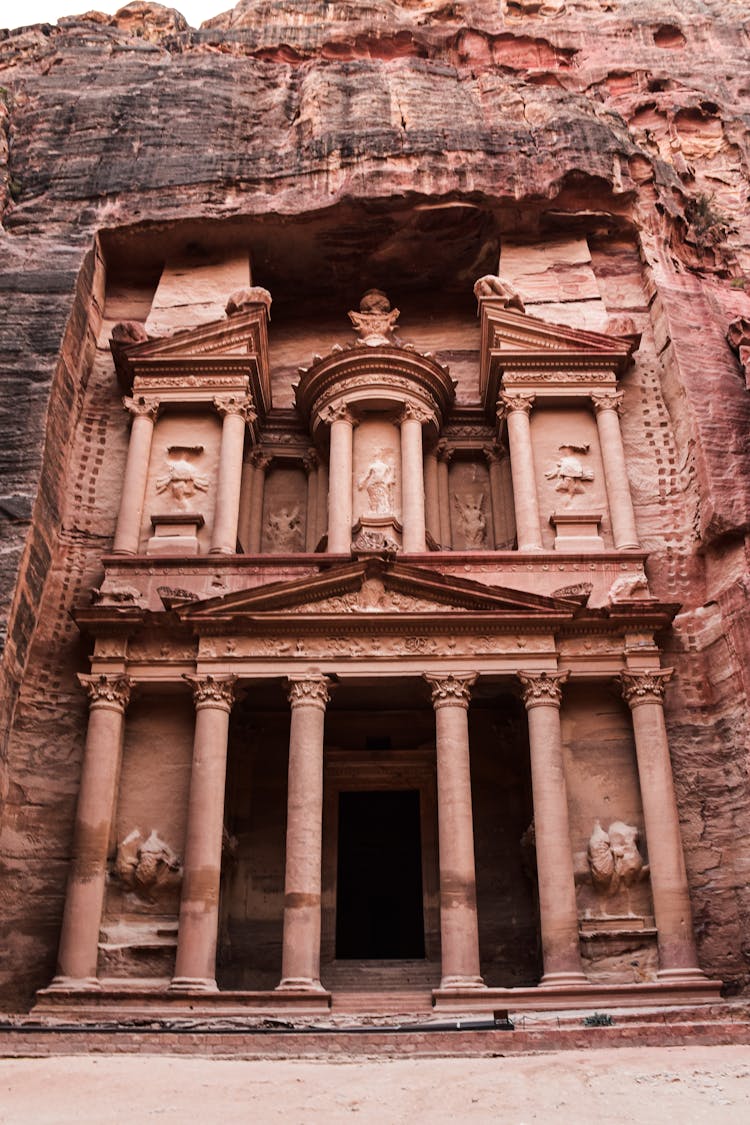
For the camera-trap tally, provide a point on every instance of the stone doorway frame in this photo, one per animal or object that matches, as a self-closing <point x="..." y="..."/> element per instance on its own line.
<point x="349" y="771"/>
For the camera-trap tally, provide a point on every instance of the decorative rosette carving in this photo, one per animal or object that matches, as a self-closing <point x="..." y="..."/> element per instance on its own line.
<point x="542" y="689"/>
<point x="644" y="687"/>
<point x="309" y="690"/>
<point x="451" y="690"/>
<point x="212" y="691"/>
<point x="107" y="690"/>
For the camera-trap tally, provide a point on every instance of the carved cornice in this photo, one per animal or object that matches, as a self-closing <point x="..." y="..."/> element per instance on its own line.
<point x="241" y="405"/>
<point x="142" y="406"/>
<point x="607" y="400"/>
<point x="451" y="690"/>
<point x="644" y="687"/>
<point x="542" y="689"/>
<point x="112" y="692"/>
<point x="309" y="690"/>
<point x="212" y="691"/>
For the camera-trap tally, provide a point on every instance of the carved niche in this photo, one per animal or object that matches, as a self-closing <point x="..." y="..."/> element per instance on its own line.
<point x="471" y="506"/>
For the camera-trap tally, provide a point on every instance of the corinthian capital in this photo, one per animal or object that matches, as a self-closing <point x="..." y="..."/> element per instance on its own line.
<point x="542" y="689"/>
<point x="338" y="413"/>
<point x="644" y="687"/>
<point x="309" y="690"/>
<point x="212" y="691"/>
<point x="111" y="691"/>
<point x="259" y="459"/>
<point x="450" y="690"/>
<point x="607" y="400"/>
<point x="235" y="404"/>
<point x="521" y="401"/>
<point x="413" y="412"/>
<point x="146" y="406"/>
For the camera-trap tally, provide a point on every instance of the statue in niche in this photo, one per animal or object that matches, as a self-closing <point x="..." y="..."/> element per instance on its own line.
<point x="473" y="522"/>
<point x="182" y="478"/>
<point x="375" y="320"/>
<point x="614" y="858"/>
<point x="284" y="529"/>
<point x="147" y="866"/>
<point x="570" y="474"/>
<point x="379" y="482"/>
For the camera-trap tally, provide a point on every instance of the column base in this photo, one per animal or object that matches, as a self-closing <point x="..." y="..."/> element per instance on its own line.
<point x="461" y="983"/>
<point x="193" y="984"/>
<point x="299" y="984"/>
<point x="628" y="547"/>
<point x="221" y="551"/>
<point x="74" y="984"/>
<point x="564" y="980"/>
<point x="680" y="976"/>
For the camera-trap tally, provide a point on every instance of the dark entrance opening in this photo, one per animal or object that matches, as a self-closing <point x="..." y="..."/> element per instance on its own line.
<point x="379" y="913"/>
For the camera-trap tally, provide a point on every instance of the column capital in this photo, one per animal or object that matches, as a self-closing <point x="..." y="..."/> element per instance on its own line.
<point x="494" y="454"/>
<point x="235" y="404"/>
<point x="451" y="690"/>
<point x="310" y="461"/>
<point x="338" y="413"/>
<point x="443" y="451"/>
<point x="259" y="459"/>
<point x="111" y="691"/>
<point x="142" y="406"/>
<point x="542" y="689"/>
<point x="309" y="690"/>
<point x="212" y="691"/>
<point x="414" y="412"/>
<point x="519" y="401"/>
<point x="644" y="687"/>
<point x="607" y="400"/>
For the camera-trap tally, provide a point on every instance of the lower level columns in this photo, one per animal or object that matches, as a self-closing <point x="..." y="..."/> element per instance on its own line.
<point x="459" y="930"/>
<point x="644" y="693"/>
<point x="197" y="935"/>
<point x="300" y="963"/>
<point x="79" y="938"/>
<point x="558" y="912"/>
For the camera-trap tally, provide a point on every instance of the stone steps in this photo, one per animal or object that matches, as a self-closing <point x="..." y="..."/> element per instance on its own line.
<point x="402" y="1002"/>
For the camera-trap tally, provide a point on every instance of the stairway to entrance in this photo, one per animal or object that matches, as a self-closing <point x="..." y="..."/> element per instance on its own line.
<point x="382" y="987"/>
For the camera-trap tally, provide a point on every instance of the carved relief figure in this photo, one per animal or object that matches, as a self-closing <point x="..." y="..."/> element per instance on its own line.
<point x="284" y="529"/>
<point x="499" y="288"/>
<point x="473" y="522"/>
<point x="147" y="866"/>
<point x="376" y="319"/>
<point x="614" y="858"/>
<point x="182" y="478"/>
<point x="569" y="472"/>
<point x="379" y="482"/>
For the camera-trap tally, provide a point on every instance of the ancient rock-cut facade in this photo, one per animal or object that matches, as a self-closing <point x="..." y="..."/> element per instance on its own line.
<point x="380" y="624"/>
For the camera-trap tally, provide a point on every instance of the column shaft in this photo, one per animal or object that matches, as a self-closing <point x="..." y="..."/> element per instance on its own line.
<point x="255" y="521"/>
<point x="340" y="484"/>
<point x="246" y="499"/>
<point x="496" y="496"/>
<point x="615" y="470"/>
<point x="525" y="499"/>
<point x="412" y="481"/>
<point x="300" y="968"/>
<point x="432" y="495"/>
<point x="130" y="517"/>
<point x="459" y="929"/>
<point x="229" y="480"/>
<point x="195" y="967"/>
<point x="79" y="937"/>
<point x="554" y="858"/>
<point x="311" y="467"/>
<point x="444" y="504"/>
<point x="669" y="886"/>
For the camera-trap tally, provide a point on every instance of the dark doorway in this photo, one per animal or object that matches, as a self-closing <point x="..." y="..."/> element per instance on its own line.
<point x="379" y="913"/>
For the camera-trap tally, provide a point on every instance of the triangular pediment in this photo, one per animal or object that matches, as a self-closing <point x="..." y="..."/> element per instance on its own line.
<point x="377" y="589"/>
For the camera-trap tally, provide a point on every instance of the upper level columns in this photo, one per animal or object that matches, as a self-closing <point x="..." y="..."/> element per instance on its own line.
<point x="444" y="455"/>
<point x="517" y="408"/>
<point x="644" y="693"/>
<point x="236" y="412"/>
<point x="607" y="405"/>
<point x="195" y="967"/>
<point x="558" y="912"/>
<point x="79" y="938"/>
<point x="144" y="409"/>
<point x="412" y="477"/>
<point x="300" y="964"/>
<point x="340" y="465"/>
<point x="260" y="462"/>
<point x="458" y="896"/>
<point x="310" y="465"/>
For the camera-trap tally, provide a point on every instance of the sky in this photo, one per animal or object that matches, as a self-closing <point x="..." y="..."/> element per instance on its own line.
<point x="16" y="13"/>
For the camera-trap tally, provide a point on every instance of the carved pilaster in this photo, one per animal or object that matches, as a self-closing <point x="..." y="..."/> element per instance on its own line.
<point x="212" y="691"/>
<point x="644" y="687"/>
<point x="607" y="400"/>
<point x="111" y="691"/>
<point x="542" y="689"/>
<point x="309" y="690"/>
<point x="494" y="454"/>
<point x="451" y="690"/>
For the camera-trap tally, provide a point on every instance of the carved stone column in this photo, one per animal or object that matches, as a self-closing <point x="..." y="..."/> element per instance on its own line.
<point x="644" y="694"/>
<point x="607" y="405"/>
<point x="459" y="929"/>
<point x="516" y="408"/>
<point x="260" y="462"/>
<point x="246" y="493"/>
<point x="412" y="477"/>
<point x="128" y="533"/>
<point x="558" y="913"/>
<point x="444" y="455"/>
<point x="236" y="412"/>
<point x="79" y="938"/>
<point x="321" y="516"/>
<point x="195" y="967"/>
<point x="493" y="453"/>
<point x="342" y="424"/>
<point x="432" y="494"/>
<point x="310" y="465"/>
<point x="300" y="968"/>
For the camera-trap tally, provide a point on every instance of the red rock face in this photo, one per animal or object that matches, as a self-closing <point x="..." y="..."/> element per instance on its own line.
<point x="411" y="140"/>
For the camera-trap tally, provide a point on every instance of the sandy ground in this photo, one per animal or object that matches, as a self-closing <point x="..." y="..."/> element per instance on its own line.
<point x="668" y="1086"/>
